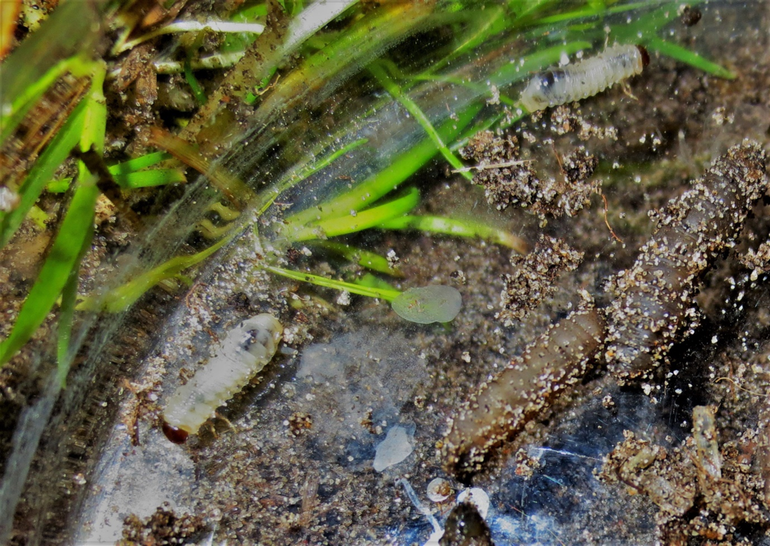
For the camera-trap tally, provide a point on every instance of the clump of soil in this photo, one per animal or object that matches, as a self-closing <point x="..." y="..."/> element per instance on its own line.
<point x="533" y="278"/>
<point x="509" y="180"/>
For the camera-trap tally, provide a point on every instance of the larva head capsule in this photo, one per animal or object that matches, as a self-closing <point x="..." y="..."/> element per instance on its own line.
<point x="175" y="434"/>
<point x="644" y="55"/>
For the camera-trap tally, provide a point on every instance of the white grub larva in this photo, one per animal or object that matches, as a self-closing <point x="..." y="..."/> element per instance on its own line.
<point x="505" y="404"/>
<point x="585" y="78"/>
<point x="246" y="349"/>
<point x="650" y="301"/>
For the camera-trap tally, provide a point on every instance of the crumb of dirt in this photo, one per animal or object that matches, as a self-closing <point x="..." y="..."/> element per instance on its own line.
<point x="700" y="491"/>
<point x="162" y="527"/>
<point x="533" y="277"/>
<point x="299" y="423"/>
<point x="564" y="120"/>
<point x="757" y="260"/>
<point x="526" y="465"/>
<point x="509" y="180"/>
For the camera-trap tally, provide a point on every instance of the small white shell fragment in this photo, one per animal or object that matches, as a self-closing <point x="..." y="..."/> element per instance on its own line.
<point x="397" y="446"/>
<point x="439" y="490"/>
<point x="478" y="497"/>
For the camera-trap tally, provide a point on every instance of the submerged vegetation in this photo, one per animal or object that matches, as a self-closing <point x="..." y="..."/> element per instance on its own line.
<point x="290" y="62"/>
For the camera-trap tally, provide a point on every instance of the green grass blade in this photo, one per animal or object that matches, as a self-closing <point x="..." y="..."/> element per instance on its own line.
<point x="148" y="179"/>
<point x="130" y="180"/>
<point x="64" y="352"/>
<point x="382" y="293"/>
<point x="383" y="182"/>
<point x="63" y="260"/>
<point x="458" y="228"/>
<point x="53" y="156"/>
<point x="364" y="258"/>
<point x="378" y="71"/>
<point x="139" y="163"/>
<point x="95" y="122"/>
<point x="296" y="177"/>
<point x="359" y="221"/>
<point x="687" y="56"/>
<point x="122" y="297"/>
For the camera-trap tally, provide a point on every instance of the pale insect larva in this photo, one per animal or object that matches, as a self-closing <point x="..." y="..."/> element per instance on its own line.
<point x="504" y="405"/>
<point x="585" y="78"/>
<point x="650" y="301"/>
<point x="246" y="349"/>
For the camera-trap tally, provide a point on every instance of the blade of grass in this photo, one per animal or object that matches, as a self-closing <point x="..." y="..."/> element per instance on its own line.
<point x="359" y="221"/>
<point x="379" y="71"/>
<point x="458" y="228"/>
<point x="370" y="281"/>
<point x="686" y="56"/>
<point x="192" y="81"/>
<point x="130" y="181"/>
<point x="139" y="163"/>
<point x="150" y="178"/>
<point x="53" y="156"/>
<point x="65" y="353"/>
<point x="303" y="173"/>
<point x="382" y="293"/>
<point x="63" y="259"/>
<point x="383" y="182"/>
<point x="362" y="257"/>
<point x="120" y="298"/>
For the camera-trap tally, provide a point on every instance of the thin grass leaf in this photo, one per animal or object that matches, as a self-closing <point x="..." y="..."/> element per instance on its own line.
<point x="370" y="281"/>
<point x="382" y="293"/>
<point x="192" y="81"/>
<point x="53" y="156"/>
<point x="122" y="297"/>
<point x="592" y="11"/>
<point x="31" y="94"/>
<point x="139" y="163"/>
<point x="65" y="352"/>
<point x="385" y="181"/>
<point x="378" y="70"/>
<point x="458" y="228"/>
<point x="687" y="56"/>
<point x="150" y="178"/>
<point x="130" y="180"/>
<point x="296" y="177"/>
<point x="364" y="258"/>
<point x="481" y="25"/>
<point x="63" y="260"/>
<point x="95" y="121"/>
<point x="359" y="221"/>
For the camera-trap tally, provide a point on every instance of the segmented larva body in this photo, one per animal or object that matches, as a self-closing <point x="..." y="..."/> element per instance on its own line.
<point x="585" y="78"/>
<point x="244" y="352"/>
<point x="650" y="301"/>
<point x="504" y="405"/>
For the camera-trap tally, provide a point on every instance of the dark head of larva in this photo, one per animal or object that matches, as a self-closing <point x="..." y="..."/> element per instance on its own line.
<point x="174" y="434"/>
<point x="549" y="78"/>
<point x="645" y="56"/>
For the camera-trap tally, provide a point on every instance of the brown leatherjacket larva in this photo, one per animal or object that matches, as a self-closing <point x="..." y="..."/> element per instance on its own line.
<point x="650" y="301"/>
<point x="585" y="78"/>
<point x="648" y="310"/>
<point x="505" y="404"/>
